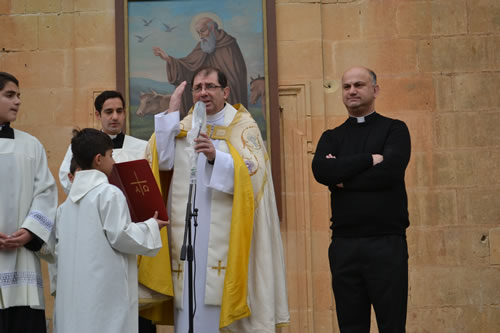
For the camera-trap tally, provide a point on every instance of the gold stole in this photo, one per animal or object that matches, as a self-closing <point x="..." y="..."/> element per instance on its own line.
<point x="155" y="272"/>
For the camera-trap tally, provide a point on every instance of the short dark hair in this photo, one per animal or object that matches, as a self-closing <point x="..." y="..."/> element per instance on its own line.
<point x="87" y="143"/>
<point x="373" y="76"/>
<point x="5" y="78"/>
<point x="221" y="77"/>
<point x="104" y="96"/>
<point x="73" y="166"/>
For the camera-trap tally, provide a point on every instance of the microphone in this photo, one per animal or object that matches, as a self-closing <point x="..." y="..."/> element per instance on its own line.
<point x="198" y="125"/>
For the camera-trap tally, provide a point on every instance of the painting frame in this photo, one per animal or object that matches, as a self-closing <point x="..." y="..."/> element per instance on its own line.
<point x="270" y="73"/>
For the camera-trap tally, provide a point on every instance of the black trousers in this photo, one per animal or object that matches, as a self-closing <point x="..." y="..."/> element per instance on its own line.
<point x="370" y="271"/>
<point x="22" y="319"/>
<point x="146" y="326"/>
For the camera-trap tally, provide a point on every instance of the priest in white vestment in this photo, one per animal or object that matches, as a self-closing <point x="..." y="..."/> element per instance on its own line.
<point x="96" y="247"/>
<point x="28" y="202"/>
<point x="240" y="276"/>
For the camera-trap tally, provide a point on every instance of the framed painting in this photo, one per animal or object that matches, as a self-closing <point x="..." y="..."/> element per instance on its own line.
<point x="161" y="43"/>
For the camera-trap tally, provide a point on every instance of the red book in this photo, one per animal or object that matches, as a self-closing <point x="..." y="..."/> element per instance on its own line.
<point x="139" y="186"/>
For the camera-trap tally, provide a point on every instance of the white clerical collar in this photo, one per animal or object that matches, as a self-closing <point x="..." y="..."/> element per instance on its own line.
<point x="360" y="120"/>
<point x="218" y="116"/>
<point x="112" y="136"/>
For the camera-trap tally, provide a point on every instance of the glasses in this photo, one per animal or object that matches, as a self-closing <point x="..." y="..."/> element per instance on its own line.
<point x="208" y="87"/>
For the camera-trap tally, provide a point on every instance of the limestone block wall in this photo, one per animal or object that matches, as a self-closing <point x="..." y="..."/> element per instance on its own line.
<point x="439" y="70"/>
<point x="61" y="51"/>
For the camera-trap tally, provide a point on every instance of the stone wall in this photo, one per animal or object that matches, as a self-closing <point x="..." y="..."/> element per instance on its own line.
<point x="62" y="51"/>
<point x="438" y="64"/>
<point x="439" y="71"/>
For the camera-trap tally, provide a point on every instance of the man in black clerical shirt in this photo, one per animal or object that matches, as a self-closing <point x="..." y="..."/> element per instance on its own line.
<point x="363" y="163"/>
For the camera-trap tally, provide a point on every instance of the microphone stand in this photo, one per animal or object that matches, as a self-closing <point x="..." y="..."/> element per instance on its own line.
<point x="190" y="214"/>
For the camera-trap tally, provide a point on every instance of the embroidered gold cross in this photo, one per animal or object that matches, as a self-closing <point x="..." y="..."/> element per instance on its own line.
<point x="219" y="268"/>
<point x="178" y="271"/>
<point x="140" y="188"/>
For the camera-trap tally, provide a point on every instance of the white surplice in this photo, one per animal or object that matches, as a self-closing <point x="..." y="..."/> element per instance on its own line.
<point x="133" y="149"/>
<point x="96" y="248"/>
<point x="217" y="177"/>
<point x="28" y="200"/>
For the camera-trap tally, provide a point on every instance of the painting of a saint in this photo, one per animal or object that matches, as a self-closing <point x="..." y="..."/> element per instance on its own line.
<point x="170" y="40"/>
<point x="216" y="48"/>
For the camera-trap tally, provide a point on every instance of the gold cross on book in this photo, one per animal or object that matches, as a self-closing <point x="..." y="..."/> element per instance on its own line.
<point x="141" y="185"/>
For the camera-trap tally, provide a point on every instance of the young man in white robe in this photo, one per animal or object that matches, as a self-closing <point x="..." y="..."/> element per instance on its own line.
<point x="28" y="202"/>
<point x="97" y="244"/>
<point x="110" y="110"/>
<point x="240" y="276"/>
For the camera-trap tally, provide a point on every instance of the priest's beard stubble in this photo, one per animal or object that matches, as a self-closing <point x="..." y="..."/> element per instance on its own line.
<point x="208" y="45"/>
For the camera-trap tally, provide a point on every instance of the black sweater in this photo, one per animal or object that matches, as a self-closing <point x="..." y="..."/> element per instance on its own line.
<point x="373" y="199"/>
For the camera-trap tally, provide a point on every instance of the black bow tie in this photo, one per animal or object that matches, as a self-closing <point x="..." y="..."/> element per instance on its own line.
<point x="6" y="132"/>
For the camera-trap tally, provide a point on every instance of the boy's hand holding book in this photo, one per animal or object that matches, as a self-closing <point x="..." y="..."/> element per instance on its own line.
<point x="161" y="223"/>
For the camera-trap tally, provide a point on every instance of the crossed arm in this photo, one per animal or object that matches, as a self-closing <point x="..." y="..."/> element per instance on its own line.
<point x="377" y="158"/>
<point x="363" y="171"/>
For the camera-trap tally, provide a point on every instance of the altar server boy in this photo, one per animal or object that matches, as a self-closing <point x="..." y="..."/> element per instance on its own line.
<point x="28" y="201"/>
<point x="97" y="244"/>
